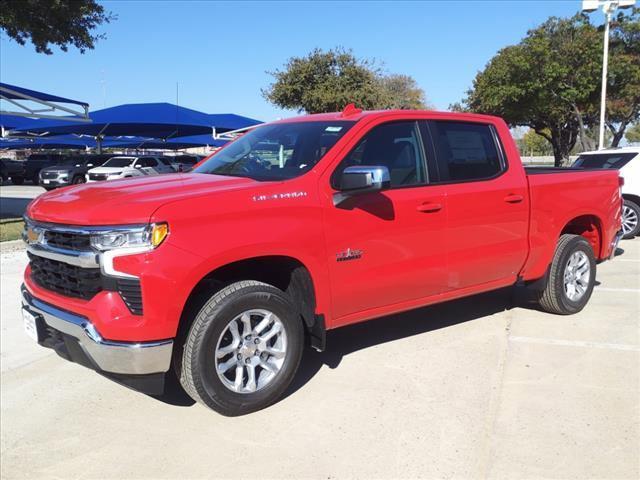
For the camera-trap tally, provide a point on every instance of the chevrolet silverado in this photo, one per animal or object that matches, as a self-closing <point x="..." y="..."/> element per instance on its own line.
<point x="223" y="274"/>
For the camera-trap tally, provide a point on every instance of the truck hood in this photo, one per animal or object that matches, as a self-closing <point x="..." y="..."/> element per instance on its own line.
<point x="127" y="201"/>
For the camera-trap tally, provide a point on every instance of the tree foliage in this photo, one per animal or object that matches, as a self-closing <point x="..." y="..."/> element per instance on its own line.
<point x="633" y="134"/>
<point x="326" y="81"/>
<point x="550" y="82"/>
<point x="53" y="22"/>
<point x="533" y="144"/>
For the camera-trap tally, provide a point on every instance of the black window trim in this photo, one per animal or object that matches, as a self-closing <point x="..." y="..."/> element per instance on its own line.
<point x="504" y="164"/>
<point x="422" y="146"/>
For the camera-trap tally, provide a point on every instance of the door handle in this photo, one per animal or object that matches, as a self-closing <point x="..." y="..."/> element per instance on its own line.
<point x="429" y="207"/>
<point x="512" y="198"/>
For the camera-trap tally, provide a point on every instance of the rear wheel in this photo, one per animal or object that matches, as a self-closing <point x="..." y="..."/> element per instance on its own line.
<point x="630" y="219"/>
<point x="243" y="349"/>
<point x="571" y="277"/>
<point x="17" y="180"/>
<point x="78" y="179"/>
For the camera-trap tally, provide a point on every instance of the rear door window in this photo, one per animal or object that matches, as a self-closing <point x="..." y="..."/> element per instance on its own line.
<point x="466" y="151"/>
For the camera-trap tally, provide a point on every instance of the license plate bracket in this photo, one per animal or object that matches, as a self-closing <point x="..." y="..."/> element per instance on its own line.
<point x="31" y="322"/>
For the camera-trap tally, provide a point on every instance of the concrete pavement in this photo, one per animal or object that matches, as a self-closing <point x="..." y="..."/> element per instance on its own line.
<point x="468" y="389"/>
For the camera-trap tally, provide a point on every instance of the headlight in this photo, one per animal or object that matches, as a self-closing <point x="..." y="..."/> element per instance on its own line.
<point x="149" y="236"/>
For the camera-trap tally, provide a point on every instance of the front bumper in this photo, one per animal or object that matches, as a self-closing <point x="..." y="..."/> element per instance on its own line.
<point x="80" y="341"/>
<point x="54" y="183"/>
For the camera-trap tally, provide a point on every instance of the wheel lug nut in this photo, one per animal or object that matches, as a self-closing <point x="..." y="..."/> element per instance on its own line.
<point x="264" y="355"/>
<point x="246" y="360"/>
<point x="239" y="356"/>
<point x="248" y="337"/>
<point x="256" y="341"/>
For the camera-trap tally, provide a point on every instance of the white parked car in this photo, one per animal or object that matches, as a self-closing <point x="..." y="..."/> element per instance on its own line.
<point x="125" y="167"/>
<point x="627" y="161"/>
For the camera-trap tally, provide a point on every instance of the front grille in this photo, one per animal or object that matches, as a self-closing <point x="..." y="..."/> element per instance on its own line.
<point x="49" y="175"/>
<point x="131" y="293"/>
<point x="67" y="240"/>
<point x="65" y="279"/>
<point x="98" y="176"/>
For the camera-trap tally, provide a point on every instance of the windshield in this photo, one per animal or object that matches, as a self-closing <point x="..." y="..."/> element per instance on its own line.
<point x="604" y="160"/>
<point x="118" y="162"/>
<point x="276" y="152"/>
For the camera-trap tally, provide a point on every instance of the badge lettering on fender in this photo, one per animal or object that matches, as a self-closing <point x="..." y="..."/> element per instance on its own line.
<point x="348" y="254"/>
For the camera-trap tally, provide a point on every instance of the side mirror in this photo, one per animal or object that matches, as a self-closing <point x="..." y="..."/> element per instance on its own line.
<point x="362" y="179"/>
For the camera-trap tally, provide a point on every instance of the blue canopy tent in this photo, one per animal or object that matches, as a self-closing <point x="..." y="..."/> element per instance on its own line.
<point x="23" y="97"/>
<point x="157" y="120"/>
<point x="65" y="142"/>
<point x="172" y="143"/>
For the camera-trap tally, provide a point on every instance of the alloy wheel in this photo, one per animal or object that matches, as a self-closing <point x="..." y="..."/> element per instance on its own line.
<point x="251" y="351"/>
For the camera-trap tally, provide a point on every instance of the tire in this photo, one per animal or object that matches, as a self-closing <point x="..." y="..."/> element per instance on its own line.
<point x="78" y="179"/>
<point x="556" y="296"/>
<point x="630" y="219"/>
<point x="201" y="376"/>
<point x="17" y="180"/>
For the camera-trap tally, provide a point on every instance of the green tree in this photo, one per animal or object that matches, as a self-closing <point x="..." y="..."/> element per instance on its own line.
<point x="326" y="81"/>
<point x="53" y="22"/>
<point x="633" y="134"/>
<point x="401" y="92"/>
<point x="623" y="83"/>
<point x="546" y="82"/>
<point x="533" y="144"/>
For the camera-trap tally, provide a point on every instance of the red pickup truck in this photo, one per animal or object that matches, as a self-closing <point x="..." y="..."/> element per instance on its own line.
<point x="297" y="227"/>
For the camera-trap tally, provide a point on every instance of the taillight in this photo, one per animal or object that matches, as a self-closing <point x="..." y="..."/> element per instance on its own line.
<point x="620" y="181"/>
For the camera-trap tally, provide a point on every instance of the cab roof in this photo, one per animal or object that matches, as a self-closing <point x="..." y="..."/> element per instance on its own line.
<point x="356" y="115"/>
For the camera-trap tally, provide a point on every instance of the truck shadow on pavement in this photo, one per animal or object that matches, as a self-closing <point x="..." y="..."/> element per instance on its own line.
<point x="346" y="340"/>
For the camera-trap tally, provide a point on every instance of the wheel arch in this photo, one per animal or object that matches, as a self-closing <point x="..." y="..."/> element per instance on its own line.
<point x="287" y="273"/>
<point x="632" y="198"/>
<point x="588" y="226"/>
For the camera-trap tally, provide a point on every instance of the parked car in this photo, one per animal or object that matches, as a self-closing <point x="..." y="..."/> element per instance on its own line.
<point x="70" y="171"/>
<point x="226" y="272"/>
<point x="627" y="161"/>
<point x="37" y="161"/>
<point x="125" y="167"/>
<point x="185" y="163"/>
<point x="11" y="169"/>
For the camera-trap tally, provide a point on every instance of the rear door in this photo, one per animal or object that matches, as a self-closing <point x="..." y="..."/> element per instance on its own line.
<point x="386" y="248"/>
<point x="487" y="204"/>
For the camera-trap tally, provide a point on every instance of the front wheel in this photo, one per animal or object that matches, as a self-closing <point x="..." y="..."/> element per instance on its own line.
<point x="571" y="277"/>
<point x="243" y="349"/>
<point x="630" y="219"/>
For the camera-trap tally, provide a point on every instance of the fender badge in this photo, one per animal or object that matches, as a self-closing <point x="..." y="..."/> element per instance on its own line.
<point x="348" y="254"/>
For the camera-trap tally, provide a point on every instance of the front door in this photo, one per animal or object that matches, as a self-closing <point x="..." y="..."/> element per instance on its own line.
<point x="388" y="247"/>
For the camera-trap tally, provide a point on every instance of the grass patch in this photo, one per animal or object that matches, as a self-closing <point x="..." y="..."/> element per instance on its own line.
<point x="11" y="229"/>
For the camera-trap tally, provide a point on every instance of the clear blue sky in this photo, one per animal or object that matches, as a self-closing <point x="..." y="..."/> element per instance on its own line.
<point x="219" y="53"/>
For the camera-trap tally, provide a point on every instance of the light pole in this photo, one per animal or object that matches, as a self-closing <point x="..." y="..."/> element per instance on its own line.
<point x="608" y="7"/>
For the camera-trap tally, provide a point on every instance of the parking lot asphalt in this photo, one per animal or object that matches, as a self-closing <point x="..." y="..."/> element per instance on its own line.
<point x="468" y="389"/>
<point x="15" y="198"/>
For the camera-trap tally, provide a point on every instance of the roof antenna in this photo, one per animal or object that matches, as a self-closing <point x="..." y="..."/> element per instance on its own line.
<point x="351" y="110"/>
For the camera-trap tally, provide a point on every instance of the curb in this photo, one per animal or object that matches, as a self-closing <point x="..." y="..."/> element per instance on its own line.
<point x="11" y="246"/>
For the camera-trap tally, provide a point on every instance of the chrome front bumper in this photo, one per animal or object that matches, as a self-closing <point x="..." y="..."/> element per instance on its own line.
<point x="127" y="358"/>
